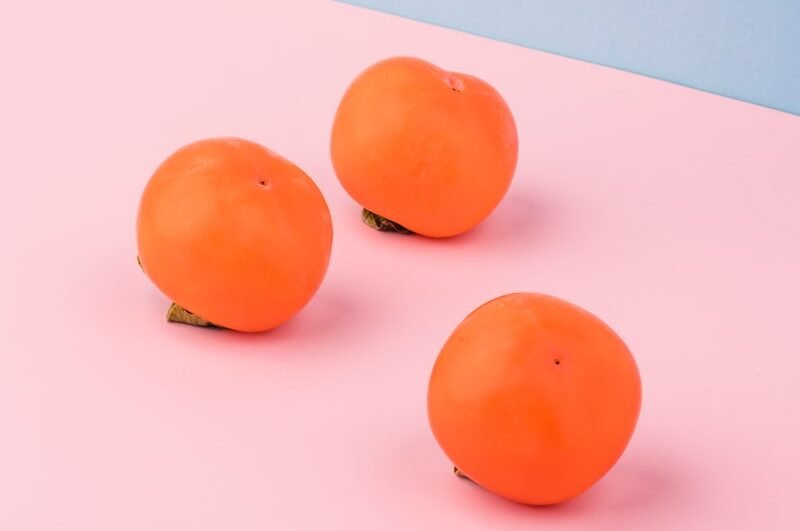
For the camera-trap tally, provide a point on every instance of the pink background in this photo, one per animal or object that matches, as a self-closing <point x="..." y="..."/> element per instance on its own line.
<point x="670" y="213"/>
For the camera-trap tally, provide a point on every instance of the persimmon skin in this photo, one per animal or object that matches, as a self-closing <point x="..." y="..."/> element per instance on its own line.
<point x="534" y="398"/>
<point x="234" y="233"/>
<point x="432" y="150"/>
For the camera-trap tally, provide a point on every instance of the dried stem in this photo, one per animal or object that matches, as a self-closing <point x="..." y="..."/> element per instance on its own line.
<point x="382" y="224"/>
<point x="459" y="473"/>
<point x="177" y="314"/>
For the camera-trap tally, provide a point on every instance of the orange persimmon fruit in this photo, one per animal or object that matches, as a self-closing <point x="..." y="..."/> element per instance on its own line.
<point x="423" y="150"/>
<point x="533" y="398"/>
<point x="234" y="234"/>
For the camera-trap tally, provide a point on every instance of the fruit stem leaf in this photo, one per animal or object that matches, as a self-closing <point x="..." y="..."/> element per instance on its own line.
<point x="178" y="314"/>
<point x="382" y="224"/>
<point x="459" y="473"/>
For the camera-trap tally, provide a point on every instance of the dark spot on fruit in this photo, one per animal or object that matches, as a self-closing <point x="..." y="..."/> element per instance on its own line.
<point x="455" y="84"/>
<point x="262" y="183"/>
<point x="557" y="361"/>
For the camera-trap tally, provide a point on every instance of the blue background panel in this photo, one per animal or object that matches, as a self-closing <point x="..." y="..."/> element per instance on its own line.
<point x="749" y="50"/>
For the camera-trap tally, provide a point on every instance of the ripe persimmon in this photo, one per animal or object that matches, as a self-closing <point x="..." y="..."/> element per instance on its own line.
<point x="234" y="234"/>
<point x="422" y="149"/>
<point x="533" y="398"/>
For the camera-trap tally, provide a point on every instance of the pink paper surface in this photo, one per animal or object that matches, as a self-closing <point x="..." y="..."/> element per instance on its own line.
<point x="670" y="213"/>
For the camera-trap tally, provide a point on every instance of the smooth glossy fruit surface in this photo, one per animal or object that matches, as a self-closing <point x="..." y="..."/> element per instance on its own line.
<point x="534" y="398"/>
<point x="234" y="233"/>
<point x="431" y="150"/>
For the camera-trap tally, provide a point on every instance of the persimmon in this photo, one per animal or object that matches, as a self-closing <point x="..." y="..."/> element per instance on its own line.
<point x="533" y="398"/>
<point x="234" y="234"/>
<point x="423" y="150"/>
